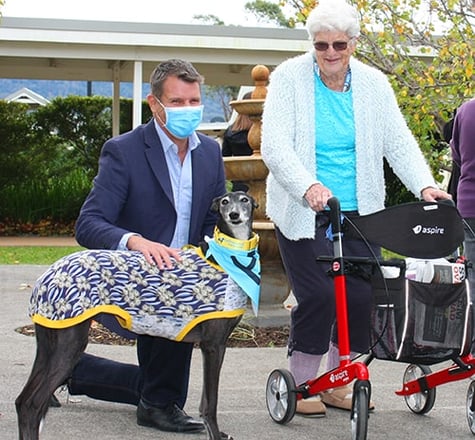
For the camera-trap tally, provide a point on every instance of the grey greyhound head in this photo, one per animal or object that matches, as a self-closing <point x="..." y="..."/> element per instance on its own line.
<point x="235" y="211"/>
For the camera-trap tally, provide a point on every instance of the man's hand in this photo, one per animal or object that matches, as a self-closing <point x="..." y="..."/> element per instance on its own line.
<point x="154" y="253"/>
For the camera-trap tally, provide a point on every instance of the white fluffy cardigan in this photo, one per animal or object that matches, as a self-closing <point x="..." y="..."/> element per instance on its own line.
<point x="288" y="143"/>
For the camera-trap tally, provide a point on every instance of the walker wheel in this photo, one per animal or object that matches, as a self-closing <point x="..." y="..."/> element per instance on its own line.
<point x="471" y="407"/>
<point x="359" y="409"/>
<point x="419" y="403"/>
<point x="281" y="396"/>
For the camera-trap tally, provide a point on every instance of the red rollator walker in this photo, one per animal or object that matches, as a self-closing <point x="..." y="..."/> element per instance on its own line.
<point x="417" y="322"/>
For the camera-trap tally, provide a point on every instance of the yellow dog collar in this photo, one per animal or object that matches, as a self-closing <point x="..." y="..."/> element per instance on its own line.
<point x="235" y="244"/>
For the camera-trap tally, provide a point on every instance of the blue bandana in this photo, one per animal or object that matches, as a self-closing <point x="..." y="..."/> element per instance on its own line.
<point x="240" y="260"/>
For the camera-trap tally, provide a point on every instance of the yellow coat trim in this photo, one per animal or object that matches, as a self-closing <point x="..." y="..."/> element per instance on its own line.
<point x="212" y="315"/>
<point x="125" y="320"/>
<point x="122" y="316"/>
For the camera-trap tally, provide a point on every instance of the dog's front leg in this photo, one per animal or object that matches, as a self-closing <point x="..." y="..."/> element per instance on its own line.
<point x="213" y="356"/>
<point x="214" y="334"/>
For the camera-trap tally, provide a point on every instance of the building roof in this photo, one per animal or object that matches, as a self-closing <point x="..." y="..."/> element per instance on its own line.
<point x="84" y="50"/>
<point x="98" y="51"/>
<point x="26" y="96"/>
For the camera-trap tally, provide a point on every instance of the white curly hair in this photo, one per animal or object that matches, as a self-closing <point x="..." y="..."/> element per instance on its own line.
<point x="333" y="15"/>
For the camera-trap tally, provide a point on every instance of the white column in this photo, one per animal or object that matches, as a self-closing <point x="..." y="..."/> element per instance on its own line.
<point x="137" y="98"/>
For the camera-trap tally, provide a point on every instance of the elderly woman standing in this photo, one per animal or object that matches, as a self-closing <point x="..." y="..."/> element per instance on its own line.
<point x="328" y="122"/>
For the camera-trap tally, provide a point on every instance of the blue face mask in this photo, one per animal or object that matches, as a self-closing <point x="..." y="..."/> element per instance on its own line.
<point x="183" y="121"/>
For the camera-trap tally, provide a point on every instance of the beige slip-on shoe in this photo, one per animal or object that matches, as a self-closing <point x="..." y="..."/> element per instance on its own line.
<point x="341" y="398"/>
<point x="311" y="407"/>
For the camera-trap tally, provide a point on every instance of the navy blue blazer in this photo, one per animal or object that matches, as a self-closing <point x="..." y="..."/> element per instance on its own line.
<point x="132" y="191"/>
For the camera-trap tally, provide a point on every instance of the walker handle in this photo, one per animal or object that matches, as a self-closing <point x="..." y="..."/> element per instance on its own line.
<point x="335" y="214"/>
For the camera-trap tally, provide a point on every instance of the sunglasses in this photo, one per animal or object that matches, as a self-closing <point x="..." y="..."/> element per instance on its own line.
<point x="322" y="46"/>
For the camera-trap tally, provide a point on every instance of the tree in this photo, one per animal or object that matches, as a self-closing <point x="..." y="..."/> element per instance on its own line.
<point x="268" y="11"/>
<point x="223" y="94"/>
<point x="209" y="19"/>
<point x="78" y="127"/>
<point x="18" y="159"/>
<point x="425" y="47"/>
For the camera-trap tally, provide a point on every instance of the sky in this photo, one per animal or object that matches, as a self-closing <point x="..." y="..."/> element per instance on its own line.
<point x="151" y="11"/>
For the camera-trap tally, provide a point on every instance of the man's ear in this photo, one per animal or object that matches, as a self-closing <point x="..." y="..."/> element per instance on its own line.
<point x="154" y="106"/>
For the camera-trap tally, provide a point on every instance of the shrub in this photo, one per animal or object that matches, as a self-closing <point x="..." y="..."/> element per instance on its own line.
<point x="53" y="200"/>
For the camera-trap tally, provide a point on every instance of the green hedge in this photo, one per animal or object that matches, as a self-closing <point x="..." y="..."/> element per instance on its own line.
<point x="49" y="156"/>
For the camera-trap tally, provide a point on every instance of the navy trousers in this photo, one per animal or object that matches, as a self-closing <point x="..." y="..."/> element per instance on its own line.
<point x="161" y="377"/>
<point x="313" y="318"/>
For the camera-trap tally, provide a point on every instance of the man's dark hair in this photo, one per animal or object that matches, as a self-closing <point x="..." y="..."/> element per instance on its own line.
<point x="181" y="69"/>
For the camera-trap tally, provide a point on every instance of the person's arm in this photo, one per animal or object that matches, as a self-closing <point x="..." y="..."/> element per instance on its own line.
<point x="96" y="225"/>
<point x="462" y="147"/>
<point x="124" y="240"/>
<point x="402" y="150"/>
<point x="463" y="135"/>
<point x="226" y="147"/>
<point x="288" y="134"/>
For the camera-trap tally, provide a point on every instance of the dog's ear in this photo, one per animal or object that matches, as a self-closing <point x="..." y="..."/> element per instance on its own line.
<point x="215" y="204"/>
<point x="255" y="205"/>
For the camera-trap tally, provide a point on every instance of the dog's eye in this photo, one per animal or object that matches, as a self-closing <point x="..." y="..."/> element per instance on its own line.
<point x="224" y="202"/>
<point x="245" y="200"/>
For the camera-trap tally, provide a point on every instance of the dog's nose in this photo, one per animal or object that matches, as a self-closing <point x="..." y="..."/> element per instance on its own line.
<point x="234" y="215"/>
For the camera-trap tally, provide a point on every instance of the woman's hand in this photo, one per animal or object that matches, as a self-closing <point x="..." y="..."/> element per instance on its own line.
<point x="154" y="253"/>
<point x="317" y="196"/>
<point x="431" y="194"/>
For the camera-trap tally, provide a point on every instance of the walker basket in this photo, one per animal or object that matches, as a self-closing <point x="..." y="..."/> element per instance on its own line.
<point x="416" y="322"/>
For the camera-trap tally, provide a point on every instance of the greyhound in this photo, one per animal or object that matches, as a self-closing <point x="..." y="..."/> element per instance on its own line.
<point x="59" y="349"/>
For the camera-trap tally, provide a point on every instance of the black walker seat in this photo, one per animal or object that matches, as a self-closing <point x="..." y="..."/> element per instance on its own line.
<point x="416" y="229"/>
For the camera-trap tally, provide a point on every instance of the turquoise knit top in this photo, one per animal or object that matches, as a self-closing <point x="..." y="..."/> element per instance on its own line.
<point x="335" y="143"/>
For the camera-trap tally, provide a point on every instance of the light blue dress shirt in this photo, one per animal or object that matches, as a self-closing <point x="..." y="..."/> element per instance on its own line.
<point x="181" y="177"/>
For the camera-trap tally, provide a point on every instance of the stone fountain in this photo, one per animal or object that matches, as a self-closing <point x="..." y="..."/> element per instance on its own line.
<point x="252" y="171"/>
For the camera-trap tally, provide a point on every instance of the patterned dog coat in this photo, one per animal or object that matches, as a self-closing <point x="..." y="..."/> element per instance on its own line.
<point x="145" y="299"/>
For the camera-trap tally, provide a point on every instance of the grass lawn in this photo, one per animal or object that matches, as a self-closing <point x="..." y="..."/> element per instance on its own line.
<point x="48" y="255"/>
<point x="34" y="254"/>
